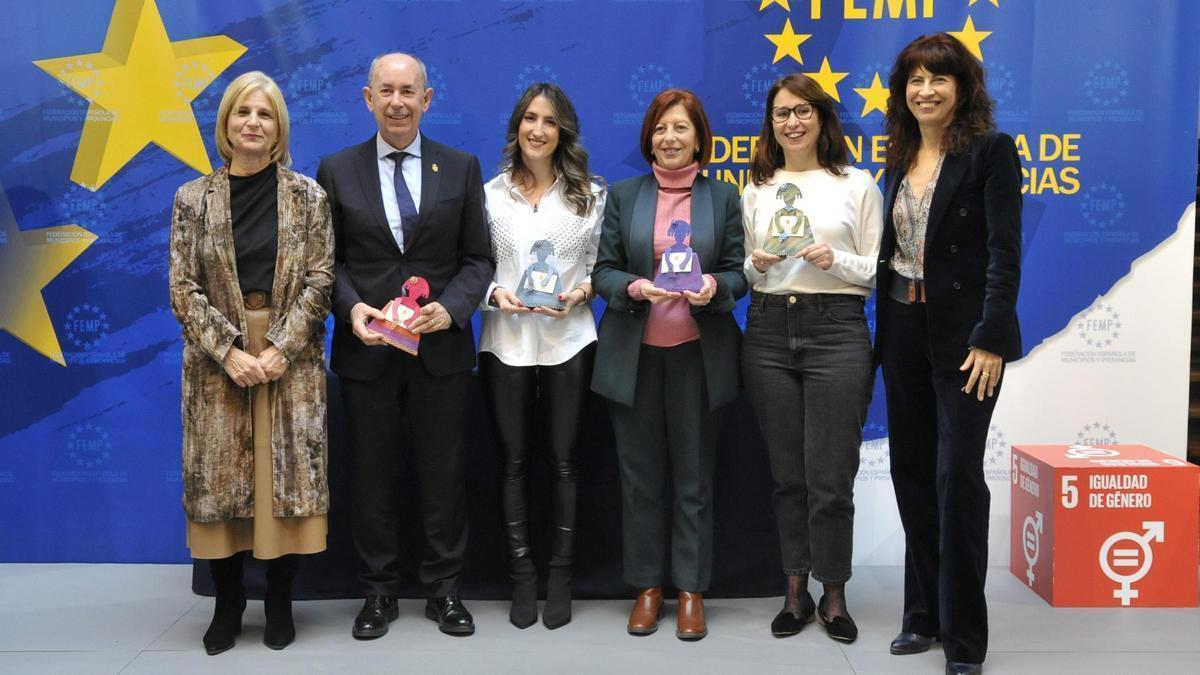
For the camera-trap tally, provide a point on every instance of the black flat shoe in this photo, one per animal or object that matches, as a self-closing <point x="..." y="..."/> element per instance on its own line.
<point x="372" y="621"/>
<point x="840" y="628"/>
<point x="786" y="624"/>
<point x="960" y="668"/>
<point x="451" y="616"/>
<point x="911" y="643"/>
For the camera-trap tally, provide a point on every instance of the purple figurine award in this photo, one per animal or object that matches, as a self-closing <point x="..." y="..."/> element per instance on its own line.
<point x="680" y="266"/>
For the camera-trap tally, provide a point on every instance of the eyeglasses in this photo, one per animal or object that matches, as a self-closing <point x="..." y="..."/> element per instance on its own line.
<point x="801" y="110"/>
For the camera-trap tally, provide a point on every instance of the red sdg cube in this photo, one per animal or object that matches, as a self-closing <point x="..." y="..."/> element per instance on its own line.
<point x="1109" y="526"/>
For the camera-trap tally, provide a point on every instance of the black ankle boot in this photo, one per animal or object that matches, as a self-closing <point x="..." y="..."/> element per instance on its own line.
<point x="231" y="602"/>
<point x="280" y="630"/>
<point x="523" y="612"/>
<point x="557" y="612"/>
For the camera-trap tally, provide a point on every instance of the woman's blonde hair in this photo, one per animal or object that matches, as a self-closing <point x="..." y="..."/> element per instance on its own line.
<point x="243" y="85"/>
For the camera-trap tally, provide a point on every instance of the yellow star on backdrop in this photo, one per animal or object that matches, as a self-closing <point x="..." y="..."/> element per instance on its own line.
<point x="875" y="97"/>
<point x="994" y="2"/>
<point x="971" y="37"/>
<point x="787" y="43"/>
<point x="140" y="87"/>
<point x="767" y="3"/>
<point x="28" y="262"/>
<point x="828" y="79"/>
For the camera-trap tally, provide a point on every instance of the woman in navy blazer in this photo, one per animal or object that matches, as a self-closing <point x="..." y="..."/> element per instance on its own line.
<point x="948" y="274"/>
<point x="667" y="360"/>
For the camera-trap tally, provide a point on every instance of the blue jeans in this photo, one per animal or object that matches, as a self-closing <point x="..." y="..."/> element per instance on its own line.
<point x="806" y="362"/>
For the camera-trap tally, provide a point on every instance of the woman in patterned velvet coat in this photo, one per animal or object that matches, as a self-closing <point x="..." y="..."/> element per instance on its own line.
<point x="251" y="272"/>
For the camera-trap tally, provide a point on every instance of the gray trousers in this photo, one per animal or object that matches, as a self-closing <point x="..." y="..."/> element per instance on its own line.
<point x="807" y="368"/>
<point x="666" y="446"/>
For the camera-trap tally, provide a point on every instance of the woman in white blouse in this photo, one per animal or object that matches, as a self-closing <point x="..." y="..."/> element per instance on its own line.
<point x="806" y="358"/>
<point x="536" y="361"/>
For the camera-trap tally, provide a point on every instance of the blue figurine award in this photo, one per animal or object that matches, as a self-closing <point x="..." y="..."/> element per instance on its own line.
<point x="541" y="283"/>
<point x="679" y="269"/>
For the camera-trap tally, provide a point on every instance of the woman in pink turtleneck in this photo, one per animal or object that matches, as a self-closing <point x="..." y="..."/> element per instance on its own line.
<point x="667" y="361"/>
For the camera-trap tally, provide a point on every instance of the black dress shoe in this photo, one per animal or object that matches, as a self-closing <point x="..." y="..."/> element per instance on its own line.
<point x="451" y="615"/>
<point x="840" y="628"/>
<point x="960" y="668"/>
<point x="786" y="623"/>
<point x="911" y="643"/>
<point x="372" y="621"/>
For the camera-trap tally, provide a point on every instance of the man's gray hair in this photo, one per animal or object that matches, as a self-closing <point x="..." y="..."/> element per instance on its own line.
<point x="420" y="66"/>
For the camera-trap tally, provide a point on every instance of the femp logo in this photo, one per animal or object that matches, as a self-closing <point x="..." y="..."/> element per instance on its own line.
<point x="1107" y="84"/>
<point x="89" y="446"/>
<point x="1099" y="328"/>
<point x="85" y="327"/>
<point x="89" y="450"/>
<point x="85" y="208"/>
<point x="1103" y="205"/>
<point x="646" y="81"/>
<point x="189" y="81"/>
<point x="1096" y="434"/>
<point x="756" y="82"/>
<point x="310" y="90"/>
<point x="1103" y="209"/>
<point x="88" y="84"/>
<point x="1002" y="86"/>
<point x="1106" y="90"/>
<point x="1099" y="325"/>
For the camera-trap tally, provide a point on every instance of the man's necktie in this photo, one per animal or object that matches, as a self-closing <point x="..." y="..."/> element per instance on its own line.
<point x="404" y="201"/>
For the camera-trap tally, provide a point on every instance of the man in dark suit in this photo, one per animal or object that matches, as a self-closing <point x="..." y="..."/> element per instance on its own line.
<point x="405" y="206"/>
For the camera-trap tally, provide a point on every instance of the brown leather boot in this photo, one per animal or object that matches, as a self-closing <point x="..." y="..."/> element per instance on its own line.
<point x="643" y="620"/>
<point x="691" y="624"/>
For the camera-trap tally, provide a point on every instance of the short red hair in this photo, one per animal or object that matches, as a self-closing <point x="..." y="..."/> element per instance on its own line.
<point x="695" y="110"/>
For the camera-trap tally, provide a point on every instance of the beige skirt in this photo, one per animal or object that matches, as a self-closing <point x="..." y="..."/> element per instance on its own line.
<point x="264" y="534"/>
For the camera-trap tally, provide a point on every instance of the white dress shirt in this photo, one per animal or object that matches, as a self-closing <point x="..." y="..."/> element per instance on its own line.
<point x="845" y="212"/>
<point x="532" y="339"/>
<point x="411" y="167"/>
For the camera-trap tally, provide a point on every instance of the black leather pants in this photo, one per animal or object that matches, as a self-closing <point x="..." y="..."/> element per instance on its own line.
<point x="531" y="405"/>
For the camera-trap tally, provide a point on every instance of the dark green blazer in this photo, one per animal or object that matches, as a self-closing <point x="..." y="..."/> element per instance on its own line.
<point x="627" y="253"/>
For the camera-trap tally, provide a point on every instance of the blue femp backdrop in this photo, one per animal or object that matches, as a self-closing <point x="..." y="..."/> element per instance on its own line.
<point x="1102" y="98"/>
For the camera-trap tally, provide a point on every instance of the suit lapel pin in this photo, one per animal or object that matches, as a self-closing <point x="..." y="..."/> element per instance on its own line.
<point x="434" y="167"/>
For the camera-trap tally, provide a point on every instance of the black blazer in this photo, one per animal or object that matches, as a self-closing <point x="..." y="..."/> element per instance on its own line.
<point x="972" y="252"/>
<point x="450" y="248"/>
<point x="627" y="253"/>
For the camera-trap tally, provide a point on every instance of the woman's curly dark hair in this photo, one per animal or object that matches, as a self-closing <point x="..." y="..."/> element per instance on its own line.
<point x="570" y="157"/>
<point x="940" y="54"/>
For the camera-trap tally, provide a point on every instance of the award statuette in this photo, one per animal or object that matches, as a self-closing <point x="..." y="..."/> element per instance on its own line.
<point x="679" y="269"/>
<point x="790" y="232"/>
<point x="400" y="313"/>
<point x="541" y="283"/>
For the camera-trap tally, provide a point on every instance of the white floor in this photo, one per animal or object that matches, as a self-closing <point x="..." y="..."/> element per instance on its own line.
<point x="83" y="619"/>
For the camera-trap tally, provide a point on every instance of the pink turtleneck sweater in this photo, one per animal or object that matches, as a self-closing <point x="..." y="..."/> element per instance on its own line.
<point x="670" y="323"/>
